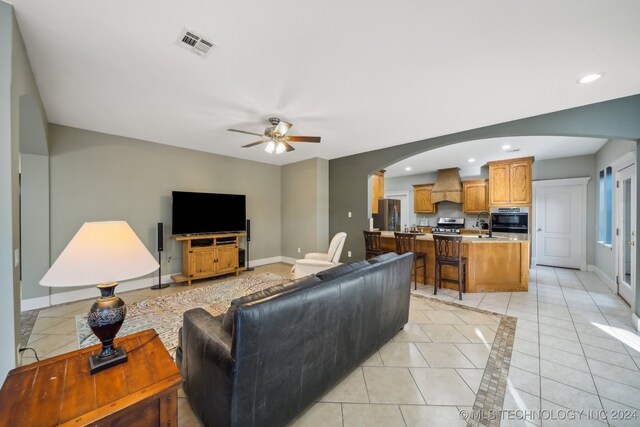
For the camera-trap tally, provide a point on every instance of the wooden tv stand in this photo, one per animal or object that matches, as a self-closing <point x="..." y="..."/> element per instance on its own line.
<point x="208" y="255"/>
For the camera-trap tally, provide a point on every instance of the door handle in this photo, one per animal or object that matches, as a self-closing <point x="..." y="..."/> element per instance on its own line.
<point x="539" y="229"/>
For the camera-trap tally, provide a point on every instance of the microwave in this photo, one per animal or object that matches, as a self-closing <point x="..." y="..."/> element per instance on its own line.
<point x="510" y="220"/>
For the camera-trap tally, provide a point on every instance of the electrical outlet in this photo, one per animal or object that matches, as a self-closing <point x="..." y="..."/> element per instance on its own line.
<point x="299" y="250"/>
<point x="349" y="254"/>
<point x="168" y="259"/>
<point x="349" y="214"/>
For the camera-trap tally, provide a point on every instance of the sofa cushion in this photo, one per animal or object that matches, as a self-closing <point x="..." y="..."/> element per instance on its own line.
<point x="227" y="320"/>
<point x="382" y="257"/>
<point x="341" y="269"/>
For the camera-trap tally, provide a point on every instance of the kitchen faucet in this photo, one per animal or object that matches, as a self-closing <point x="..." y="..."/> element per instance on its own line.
<point x="479" y="224"/>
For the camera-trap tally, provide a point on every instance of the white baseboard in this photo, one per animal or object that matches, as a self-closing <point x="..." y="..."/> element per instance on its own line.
<point x="605" y="279"/>
<point x="34" y="303"/>
<point x="130" y="285"/>
<point x="88" y="293"/>
<point x="265" y="261"/>
<point x="635" y="321"/>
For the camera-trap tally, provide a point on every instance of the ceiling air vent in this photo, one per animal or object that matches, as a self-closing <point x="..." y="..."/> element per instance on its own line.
<point x="194" y="42"/>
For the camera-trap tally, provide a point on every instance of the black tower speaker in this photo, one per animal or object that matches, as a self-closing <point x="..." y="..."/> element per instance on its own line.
<point x="160" y="237"/>
<point x="160" y="240"/>
<point x="248" y="240"/>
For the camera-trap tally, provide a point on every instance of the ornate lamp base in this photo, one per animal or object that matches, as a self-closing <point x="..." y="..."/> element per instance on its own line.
<point x="105" y="319"/>
<point x="96" y="364"/>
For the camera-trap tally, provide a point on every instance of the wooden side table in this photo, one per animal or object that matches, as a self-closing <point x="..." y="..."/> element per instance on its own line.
<point x="60" y="390"/>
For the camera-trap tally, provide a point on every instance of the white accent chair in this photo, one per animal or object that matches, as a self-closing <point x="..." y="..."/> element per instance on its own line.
<point x="316" y="261"/>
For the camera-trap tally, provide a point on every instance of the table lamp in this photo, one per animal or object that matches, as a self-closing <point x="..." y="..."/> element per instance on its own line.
<point x="102" y="253"/>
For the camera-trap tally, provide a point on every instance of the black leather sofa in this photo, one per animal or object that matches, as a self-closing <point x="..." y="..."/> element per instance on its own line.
<point x="277" y="351"/>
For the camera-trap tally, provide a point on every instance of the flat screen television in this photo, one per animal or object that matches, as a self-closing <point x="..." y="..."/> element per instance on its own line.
<point x="199" y="213"/>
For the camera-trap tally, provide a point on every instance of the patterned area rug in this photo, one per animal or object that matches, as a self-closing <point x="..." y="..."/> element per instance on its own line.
<point x="164" y="313"/>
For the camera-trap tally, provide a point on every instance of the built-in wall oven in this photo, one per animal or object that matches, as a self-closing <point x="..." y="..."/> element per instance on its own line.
<point x="510" y="220"/>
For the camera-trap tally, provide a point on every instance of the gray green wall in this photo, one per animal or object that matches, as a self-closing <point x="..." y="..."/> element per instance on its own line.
<point x="34" y="223"/>
<point x="16" y="83"/>
<point x="610" y="152"/>
<point x="348" y="176"/>
<point x="96" y="177"/>
<point x="305" y="207"/>
<point x="572" y="167"/>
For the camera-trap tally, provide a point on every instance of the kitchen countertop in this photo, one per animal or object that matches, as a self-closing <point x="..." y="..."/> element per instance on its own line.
<point x="473" y="238"/>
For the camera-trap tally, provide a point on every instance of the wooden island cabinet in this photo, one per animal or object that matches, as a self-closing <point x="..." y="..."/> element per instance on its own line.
<point x="500" y="264"/>
<point x="208" y="255"/>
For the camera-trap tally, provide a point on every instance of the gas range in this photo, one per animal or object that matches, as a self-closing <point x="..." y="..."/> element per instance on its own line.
<point x="442" y="230"/>
<point x="448" y="226"/>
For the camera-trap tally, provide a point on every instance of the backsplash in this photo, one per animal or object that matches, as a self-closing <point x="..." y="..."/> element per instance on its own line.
<point x="445" y="209"/>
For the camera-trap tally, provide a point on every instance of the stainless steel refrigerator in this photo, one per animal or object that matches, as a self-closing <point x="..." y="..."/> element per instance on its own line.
<point x="388" y="216"/>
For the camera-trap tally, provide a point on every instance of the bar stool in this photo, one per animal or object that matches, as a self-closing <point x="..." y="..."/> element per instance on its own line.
<point x="406" y="242"/>
<point x="449" y="252"/>
<point x="372" y="244"/>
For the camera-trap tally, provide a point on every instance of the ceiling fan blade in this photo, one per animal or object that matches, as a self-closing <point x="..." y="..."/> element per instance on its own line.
<point x="302" y="138"/>
<point x="289" y="148"/>
<point x="282" y="128"/>
<point x="253" y="144"/>
<point x="244" y="131"/>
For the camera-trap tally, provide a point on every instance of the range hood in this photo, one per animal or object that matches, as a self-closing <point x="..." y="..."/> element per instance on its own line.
<point x="448" y="186"/>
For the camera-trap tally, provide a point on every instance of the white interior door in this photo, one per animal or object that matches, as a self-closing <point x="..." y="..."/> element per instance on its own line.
<point x="626" y="233"/>
<point x="559" y="225"/>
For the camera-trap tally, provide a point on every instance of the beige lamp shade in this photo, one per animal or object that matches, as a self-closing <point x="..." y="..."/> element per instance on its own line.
<point x="101" y="252"/>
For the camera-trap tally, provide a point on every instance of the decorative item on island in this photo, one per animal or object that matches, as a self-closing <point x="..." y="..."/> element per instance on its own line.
<point x="102" y="253"/>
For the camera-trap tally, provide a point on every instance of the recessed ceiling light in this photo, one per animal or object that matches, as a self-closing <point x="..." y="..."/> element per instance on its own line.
<point x="506" y="147"/>
<point x="472" y="160"/>
<point x="408" y="168"/>
<point x="589" y="78"/>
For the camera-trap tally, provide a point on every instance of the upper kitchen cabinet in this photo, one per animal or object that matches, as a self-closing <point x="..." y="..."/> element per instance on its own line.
<point x="422" y="199"/>
<point x="377" y="190"/>
<point x="475" y="196"/>
<point x="510" y="182"/>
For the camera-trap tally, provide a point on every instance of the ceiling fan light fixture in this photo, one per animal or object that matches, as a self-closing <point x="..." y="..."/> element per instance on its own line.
<point x="270" y="148"/>
<point x="282" y="128"/>
<point x="280" y="148"/>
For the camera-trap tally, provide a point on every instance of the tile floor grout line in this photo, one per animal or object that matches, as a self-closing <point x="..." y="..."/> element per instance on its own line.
<point x="416" y="384"/>
<point x="537" y="301"/>
<point x="402" y="415"/>
<point x="364" y="379"/>
<point x="580" y="341"/>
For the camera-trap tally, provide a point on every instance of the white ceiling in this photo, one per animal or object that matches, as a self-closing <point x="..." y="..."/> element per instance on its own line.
<point x="362" y="74"/>
<point x="485" y="150"/>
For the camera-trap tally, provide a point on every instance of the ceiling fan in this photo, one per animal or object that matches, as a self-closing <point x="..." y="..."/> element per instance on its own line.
<point x="276" y="138"/>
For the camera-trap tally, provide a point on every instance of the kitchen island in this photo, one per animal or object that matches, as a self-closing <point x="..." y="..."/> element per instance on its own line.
<point x="497" y="264"/>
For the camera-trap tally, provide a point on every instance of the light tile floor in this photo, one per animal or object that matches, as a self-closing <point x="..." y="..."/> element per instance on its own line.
<point x="574" y="349"/>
